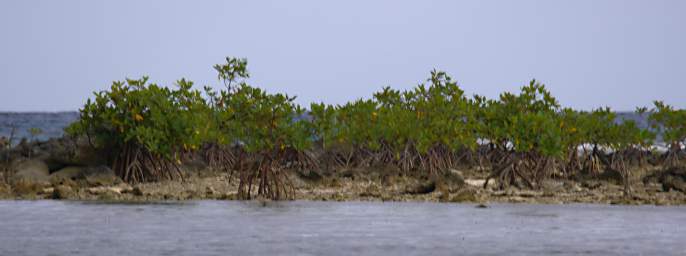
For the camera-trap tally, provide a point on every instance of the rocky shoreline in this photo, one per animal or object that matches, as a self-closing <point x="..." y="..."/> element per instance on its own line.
<point x="69" y="169"/>
<point x="34" y="181"/>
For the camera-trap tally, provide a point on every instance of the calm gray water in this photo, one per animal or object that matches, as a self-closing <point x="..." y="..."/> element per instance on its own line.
<point x="324" y="228"/>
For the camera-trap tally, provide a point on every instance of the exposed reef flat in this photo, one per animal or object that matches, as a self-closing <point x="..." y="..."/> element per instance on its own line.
<point x="99" y="184"/>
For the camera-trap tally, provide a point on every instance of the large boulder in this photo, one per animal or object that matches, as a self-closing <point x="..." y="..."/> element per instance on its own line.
<point x="455" y="176"/>
<point x="31" y="170"/>
<point x="68" y="173"/>
<point x="671" y="179"/>
<point x="30" y="176"/>
<point x="101" y="176"/>
<point x="66" y="151"/>
<point x="454" y="179"/>
<point x="612" y="176"/>
<point x="421" y="188"/>
<point x="30" y="167"/>
<point x="674" y="183"/>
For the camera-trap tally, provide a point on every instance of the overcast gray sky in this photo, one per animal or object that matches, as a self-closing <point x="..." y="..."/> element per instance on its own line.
<point x="591" y="53"/>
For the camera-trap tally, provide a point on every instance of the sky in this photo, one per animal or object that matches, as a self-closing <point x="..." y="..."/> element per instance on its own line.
<point x="589" y="53"/>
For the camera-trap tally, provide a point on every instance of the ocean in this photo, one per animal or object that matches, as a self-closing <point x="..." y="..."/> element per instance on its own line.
<point x="51" y="124"/>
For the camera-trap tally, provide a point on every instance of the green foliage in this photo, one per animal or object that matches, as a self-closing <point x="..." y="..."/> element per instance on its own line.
<point x="266" y="122"/>
<point x="443" y="115"/>
<point x="233" y="69"/>
<point x="324" y="124"/>
<point x="627" y="134"/>
<point x="357" y="124"/>
<point x="423" y="117"/>
<point x="670" y="122"/>
<point x="431" y="126"/>
<point x="159" y="119"/>
<point x="597" y="126"/>
<point x="530" y="121"/>
<point x="258" y="120"/>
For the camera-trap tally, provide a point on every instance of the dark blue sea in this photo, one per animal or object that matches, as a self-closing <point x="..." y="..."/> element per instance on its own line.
<point x="51" y="124"/>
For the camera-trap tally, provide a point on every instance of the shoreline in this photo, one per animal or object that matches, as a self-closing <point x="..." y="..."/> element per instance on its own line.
<point x="353" y="186"/>
<point x="70" y="170"/>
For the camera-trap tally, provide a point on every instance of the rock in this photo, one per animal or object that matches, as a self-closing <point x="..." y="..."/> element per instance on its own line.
<point x="389" y="180"/>
<point x="123" y="188"/>
<point x="114" y="190"/>
<point x="480" y="182"/>
<point x="572" y="186"/>
<point x="195" y="165"/>
<point x="297" y="181"/>
<point x="48" y="190"/>
<point x="624" y="201"/>
<point x="309" y="175"/>
<point x="67" y="182"/>
<point x="209" y="190"/>
<point x="547" y="192"/>
<point x="347" y="173"/>
<point x="68" y="151"/>
<point x="97" y="190"/>
<point x="421" y="188"/>
<point x="611" y="176"/>
<point x="137" y="191"/>
<point x="653" y="187"/>
<point x="464" y="195"/>
<point x="4" y="191"/>
<point x="528" y="193"/>
<point x="516" y="199"/>
<point x="552" y="185"/>
<point x="371" y="191"/>
<point x="339" y="197"/>
<point x="67" y="173"/>
<point x="229" y="196"/>
<point x="444" y="197"/>
<point x="335" y="183"/>
<point x="454" y="177"/>
<point x="481" y="206"/>
<point x="591" y="184"/>
<point x="101" y="176"/>
<point x="30" y="177"/>
<point x="188" y="194"/>
<point x="501" y="193"/>
<point x="671" y="179"/>
<point x="28" y="167"/>
<point x="45" y="150"/>
<point x="108" y="196"/>
<point x="673" y="183"/>
<point x="62" y="192"/>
